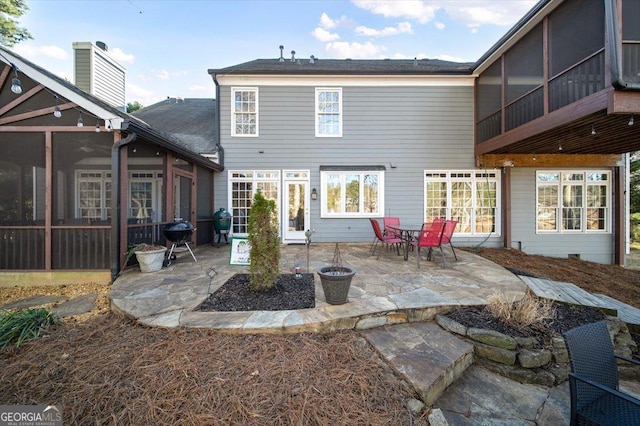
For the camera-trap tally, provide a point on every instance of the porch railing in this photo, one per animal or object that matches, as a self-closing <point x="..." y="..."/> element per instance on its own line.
<point x="578" y="82"/>
<point x="80" y="248"/>
<point x="22" y="248"/>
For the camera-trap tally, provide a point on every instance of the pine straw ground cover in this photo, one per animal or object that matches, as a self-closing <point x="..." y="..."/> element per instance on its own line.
<point x="108" y="370"/>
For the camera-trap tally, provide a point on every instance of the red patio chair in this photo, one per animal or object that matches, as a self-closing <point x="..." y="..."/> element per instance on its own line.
<point x="430" y="236"/>
<point x="449" y="228"/>
<point x="380" y="237"/>
<point x="391" y="221"/>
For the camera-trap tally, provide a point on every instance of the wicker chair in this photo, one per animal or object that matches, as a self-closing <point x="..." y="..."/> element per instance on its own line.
<point x="593" y="380"/>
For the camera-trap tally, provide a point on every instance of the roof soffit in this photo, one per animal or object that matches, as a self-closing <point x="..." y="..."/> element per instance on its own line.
<point x="344" y="80"/>
<point x="55" y="86"/>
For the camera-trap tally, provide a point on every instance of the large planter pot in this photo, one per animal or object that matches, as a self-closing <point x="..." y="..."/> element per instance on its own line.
<point x="151" y="260"/>
<point x="336" y="282"/>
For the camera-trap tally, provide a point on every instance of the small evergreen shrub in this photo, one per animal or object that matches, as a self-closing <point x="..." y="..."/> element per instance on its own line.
<point x="265" y="243"/>
<point x="21" y="325"/>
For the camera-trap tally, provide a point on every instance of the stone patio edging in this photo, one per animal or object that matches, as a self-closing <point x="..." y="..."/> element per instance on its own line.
<point x="517" y="358"/>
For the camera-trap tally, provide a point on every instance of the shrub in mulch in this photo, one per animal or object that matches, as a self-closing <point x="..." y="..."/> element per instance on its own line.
<point x="111" y="371"/>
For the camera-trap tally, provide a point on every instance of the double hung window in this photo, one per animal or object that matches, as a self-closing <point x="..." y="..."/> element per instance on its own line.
<point x="468" y="196"/>
<point x="328" y="112"/>
<point x="244" y="111"/>
<point x="573" y="201"/>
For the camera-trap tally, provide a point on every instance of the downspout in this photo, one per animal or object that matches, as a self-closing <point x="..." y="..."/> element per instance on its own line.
<point x="615" y="57"/>
<point x="217" y="122"/>
<point x="116" y="220"/>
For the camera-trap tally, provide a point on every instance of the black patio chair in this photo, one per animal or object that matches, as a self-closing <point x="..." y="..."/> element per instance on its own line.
<point x="593" y="380"/>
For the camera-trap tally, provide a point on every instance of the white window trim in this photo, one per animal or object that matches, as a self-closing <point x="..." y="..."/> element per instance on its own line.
<point x="155" y="178"/>
<point x="323" y="194"/>
<point x="340" y="112"/>
<point x="101" y="176"/>
<point x="476" y="175"/>
<point x="272" y="176"/>
<point x="233" y="112"/>
<point x="584" y="183"/>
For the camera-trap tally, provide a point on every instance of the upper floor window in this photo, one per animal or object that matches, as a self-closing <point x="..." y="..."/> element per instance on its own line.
<point x="244" y="111"/>
<point x="573" y="201"/>
<point x="328" y="112"/>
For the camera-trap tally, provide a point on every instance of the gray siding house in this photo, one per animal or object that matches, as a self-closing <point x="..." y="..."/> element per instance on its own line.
<point x="336" y="142"/>
<point x="527" y="148"/>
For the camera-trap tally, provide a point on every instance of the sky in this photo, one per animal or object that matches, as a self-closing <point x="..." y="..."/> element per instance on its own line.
<point x="167" y="46"/>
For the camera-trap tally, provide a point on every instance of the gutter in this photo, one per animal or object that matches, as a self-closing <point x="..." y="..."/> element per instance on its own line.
<point x="217" y="121"/>
<point x="116" y="220"/>
<point x="154" y="138"/>
<point x="615" y="44"/>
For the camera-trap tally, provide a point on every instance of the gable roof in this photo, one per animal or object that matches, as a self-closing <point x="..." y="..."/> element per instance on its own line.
<point x="119" y="120"/>
<point x="191" y="121"/>
<point x="349" y="66"/>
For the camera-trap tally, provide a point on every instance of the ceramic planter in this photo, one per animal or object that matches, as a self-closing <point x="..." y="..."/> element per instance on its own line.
<point x="150" y="260"/>
<point x="336" y="282"/>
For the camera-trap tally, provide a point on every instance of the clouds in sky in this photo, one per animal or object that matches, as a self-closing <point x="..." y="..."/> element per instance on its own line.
<point x="49" y="51"/>
<point x="120" y="56"/>
<point x="337" y="33"/>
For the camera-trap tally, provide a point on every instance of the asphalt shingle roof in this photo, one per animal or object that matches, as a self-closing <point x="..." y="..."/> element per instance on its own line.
<point x="349" y="66"/>
<point x="190" y="121"/>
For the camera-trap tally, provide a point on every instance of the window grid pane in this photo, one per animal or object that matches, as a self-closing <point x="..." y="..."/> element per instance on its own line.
<point x="352" y="199"/>
<point x="90" y="200"/>
<point x="470" y="197"/>
<point x="548" y="207"/>
<point x="244" y="185"/>
<point x="485" y="206"/>
<point x="572" y="207"/>
<point x="334" y="194"/>
<point x="244" y="113"/>
<point x="371" y="193"/>
<point x="436" y="200"/>
<point x="328" y="112"/>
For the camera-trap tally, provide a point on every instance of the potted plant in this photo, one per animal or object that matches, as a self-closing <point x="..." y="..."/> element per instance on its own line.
<point x="149" y="256"/>
<point x="336" y="279"/>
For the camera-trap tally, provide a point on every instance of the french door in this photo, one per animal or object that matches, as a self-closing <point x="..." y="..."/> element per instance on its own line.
<point x="295" y="220"/>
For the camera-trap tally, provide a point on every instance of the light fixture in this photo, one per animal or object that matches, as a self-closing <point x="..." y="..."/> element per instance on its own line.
<point x="97" y="126"/>
<point x="534" y="157"/>
<point x="80" y="121"/>
<point x="314" y="194"/>
<point x="593" y="129"/>
<point x="630" y="123"/>
<point x="559" y="146"/>
<point x="16" y="86"/>
<point x="56" y="111"/>
<point x="109" y="126"/>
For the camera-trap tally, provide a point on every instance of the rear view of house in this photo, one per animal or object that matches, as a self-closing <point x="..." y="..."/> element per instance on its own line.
<point x="525" y="148"/>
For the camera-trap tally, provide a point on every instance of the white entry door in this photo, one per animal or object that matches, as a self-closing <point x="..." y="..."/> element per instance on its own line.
<point x="296" y="206"/>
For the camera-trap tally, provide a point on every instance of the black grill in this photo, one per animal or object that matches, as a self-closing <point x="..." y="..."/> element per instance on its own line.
<point x="178" y="233"/>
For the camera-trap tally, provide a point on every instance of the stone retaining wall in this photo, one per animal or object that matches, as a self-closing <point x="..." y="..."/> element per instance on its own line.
<point x="526" y="359"/>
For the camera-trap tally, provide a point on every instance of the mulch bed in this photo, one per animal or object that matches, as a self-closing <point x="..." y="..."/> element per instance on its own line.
<point x="110" y="370"/>
<point x="564" y="319"/>
<point x="288" y="293"/>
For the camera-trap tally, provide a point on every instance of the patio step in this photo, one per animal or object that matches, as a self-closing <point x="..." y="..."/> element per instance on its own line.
<point x="427" y="356"/>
